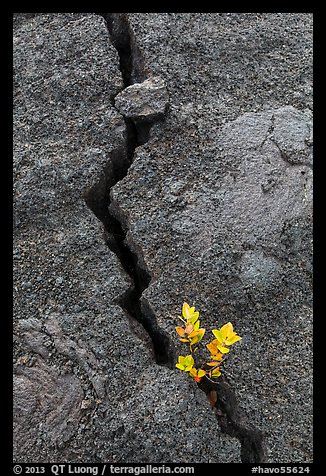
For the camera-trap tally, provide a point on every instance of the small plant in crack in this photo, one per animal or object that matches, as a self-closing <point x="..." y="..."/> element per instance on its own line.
<point x="191" y="333"/>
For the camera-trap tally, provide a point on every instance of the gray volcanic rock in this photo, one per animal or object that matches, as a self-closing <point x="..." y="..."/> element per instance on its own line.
<point x="220" y="65"/>
<point x="218" y="206"/>
<point x="292" y="133"/>
<point x="146" y="100"/>
<point x="86" y="386"/>
<point x="163" y="418"/>
<point x="218" y="203"/>
<point x="43" y="423"/>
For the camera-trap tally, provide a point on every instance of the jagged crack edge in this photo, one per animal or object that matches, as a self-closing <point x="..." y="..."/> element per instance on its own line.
<point x="132" y="63"/>
<point x="232" y="421"/>
<point x="132" y="67"/>
<point x="98" y="198"/>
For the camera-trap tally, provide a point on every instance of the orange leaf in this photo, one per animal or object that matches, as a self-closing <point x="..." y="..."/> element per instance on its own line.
<point x="180" y="331"/>
<point x="212" y="347"/>
<point x="193" y="372"/>
<point x="193" y="334"/>
<point x="217" y="356"/>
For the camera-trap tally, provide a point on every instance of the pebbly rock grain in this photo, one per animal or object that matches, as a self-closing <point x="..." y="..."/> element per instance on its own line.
<point x="219" y="202"/>
<point x="86" y="385"/>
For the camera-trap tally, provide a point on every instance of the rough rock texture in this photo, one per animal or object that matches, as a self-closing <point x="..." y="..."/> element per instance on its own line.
<point x="86" y="386"/>
<point x="146" y="100"/>
<point x="219" y="65"/>
<point x="219" y="202"/>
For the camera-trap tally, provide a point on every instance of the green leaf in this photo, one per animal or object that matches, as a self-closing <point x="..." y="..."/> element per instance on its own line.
<point x="193" y="318"/>
<point x="196" y="326"/>
<point x="201" y="333"/>
<point x="189" y="361"/>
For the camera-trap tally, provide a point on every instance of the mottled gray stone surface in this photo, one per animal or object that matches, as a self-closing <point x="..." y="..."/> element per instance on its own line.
<point x="218" y="205"/>
<point x="219" y="202"/>
<point x="220" y="65"/>
<point x="86" y="386"/>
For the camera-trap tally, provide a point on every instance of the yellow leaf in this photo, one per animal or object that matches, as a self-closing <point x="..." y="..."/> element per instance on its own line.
<point x="198" y="337"/>
<point x="186" y="310"/>
<point x="234" y="339"/>
<point x="189" y="313"/>
<point x="197" y="325"/>
<point x="184" y="340"/>
<point x="197" y="374"/>
<point x="194" y="340"/>
<point x="222" y="349"/>
<point x="226" y="330"/>
<point x="201" y="332"/>
<point x="226" y="335"/>
<point x="185" y="363"/>
<point x="212" y="364"/>
<point x="193" y="318"/>
<point x="218" y="335"/>
<point x="215" y="347"/>
<point x="216" y="372"/>
<point x="189" y="360"/>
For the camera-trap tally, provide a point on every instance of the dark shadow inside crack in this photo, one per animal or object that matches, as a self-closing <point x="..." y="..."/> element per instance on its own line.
<point x="98" y="200"/>
<point x="132" y="66"/>
<point x="98" y="196"/>
<point x="233" y="422"/>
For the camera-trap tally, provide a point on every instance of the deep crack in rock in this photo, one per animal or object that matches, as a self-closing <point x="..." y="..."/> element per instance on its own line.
<point x="232" y="421"/>
<point x="98" y="197"/>
<point x="132" y="64"/>
<point x="132" y="67"/>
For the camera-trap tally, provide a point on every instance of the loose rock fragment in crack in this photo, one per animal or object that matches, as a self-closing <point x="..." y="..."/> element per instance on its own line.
<point x="147" y="100"/>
